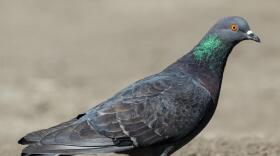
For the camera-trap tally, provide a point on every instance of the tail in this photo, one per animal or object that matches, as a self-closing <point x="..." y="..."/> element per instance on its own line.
<point x="35" y="137"/>
<point x="62" y="150"/>
<point x="24" y="154"/>
<point x="69" y="138"/>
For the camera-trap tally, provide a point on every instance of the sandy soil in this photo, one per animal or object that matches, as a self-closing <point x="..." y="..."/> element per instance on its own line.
<point x="59" y="58"/>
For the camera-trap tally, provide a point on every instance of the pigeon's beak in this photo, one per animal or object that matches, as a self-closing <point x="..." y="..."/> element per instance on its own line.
<point x="252" y="36"/>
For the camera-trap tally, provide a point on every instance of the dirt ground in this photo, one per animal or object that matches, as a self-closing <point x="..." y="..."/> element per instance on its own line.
<point x="60" y="58"/>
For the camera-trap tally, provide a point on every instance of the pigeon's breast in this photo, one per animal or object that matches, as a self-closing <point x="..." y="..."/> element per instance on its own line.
<point x="190" y="106"/>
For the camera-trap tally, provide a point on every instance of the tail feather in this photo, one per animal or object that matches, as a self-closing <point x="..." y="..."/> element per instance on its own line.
<point x="69" y="138"/>
<point x="36" y="136"/>
<point x="25" y="154"/>
<point x="54" y="150"/>
<point x="23" y="141"/>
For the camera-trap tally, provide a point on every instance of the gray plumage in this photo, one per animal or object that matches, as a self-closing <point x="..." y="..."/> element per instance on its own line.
<point x="158" y="114"/>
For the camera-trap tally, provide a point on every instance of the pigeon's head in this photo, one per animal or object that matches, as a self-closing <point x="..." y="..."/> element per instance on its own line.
<point x="233" y="30"/>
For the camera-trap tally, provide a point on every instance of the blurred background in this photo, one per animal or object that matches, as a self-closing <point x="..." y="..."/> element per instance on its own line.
<point x="60" y="58"/>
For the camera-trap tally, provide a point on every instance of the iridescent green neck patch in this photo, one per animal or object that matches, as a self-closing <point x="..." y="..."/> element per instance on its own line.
<point x="207" y="47"/>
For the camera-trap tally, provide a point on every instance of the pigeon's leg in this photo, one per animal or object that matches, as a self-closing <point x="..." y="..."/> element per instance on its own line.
<point x="167" y="151"/>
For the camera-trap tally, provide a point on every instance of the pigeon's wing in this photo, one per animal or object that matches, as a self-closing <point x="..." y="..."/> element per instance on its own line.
<point x="148" y="112"/>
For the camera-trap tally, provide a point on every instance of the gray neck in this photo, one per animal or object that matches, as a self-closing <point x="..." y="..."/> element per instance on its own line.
<point x="211" y="54"/>
<point x="206" y="62"/>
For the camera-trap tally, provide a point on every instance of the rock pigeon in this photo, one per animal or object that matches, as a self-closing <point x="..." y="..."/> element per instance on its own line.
<point x="156" y="115"/>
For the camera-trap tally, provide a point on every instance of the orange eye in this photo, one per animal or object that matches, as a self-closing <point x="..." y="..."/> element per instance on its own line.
<point x="234" y="27"/>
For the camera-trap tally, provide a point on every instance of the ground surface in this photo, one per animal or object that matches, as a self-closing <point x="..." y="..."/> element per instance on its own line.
<point x="59" y="58"/>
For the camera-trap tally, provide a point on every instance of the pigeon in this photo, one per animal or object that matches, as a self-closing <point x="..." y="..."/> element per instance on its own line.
<point x="156" y="115"/>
